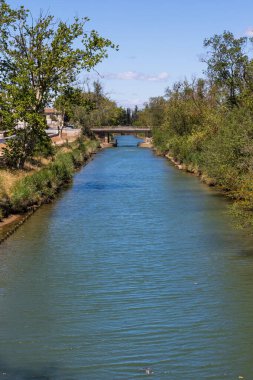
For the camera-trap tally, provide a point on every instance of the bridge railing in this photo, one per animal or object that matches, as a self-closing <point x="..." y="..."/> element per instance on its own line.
<point x="121" y="126"/>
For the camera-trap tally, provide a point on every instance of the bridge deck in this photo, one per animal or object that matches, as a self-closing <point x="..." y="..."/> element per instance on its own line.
<point x="120" y="130"/>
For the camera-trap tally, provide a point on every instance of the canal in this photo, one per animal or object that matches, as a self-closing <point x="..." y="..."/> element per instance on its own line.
<point x="137" y="265"/>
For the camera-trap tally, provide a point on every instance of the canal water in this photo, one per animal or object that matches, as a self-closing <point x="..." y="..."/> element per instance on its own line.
<point x="135" y="266"/>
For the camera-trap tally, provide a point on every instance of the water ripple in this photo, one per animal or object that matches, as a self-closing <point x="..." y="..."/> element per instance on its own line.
<point x="136" y="266"/>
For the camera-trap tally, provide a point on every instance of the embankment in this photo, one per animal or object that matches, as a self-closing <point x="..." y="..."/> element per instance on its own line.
<point x="42" y="186"/>
<point x="190" y="168"/>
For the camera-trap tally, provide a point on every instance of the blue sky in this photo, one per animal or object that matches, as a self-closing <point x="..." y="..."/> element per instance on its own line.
<point x="160" y="41"/>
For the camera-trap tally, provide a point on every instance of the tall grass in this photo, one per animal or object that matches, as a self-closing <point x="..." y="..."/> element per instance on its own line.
<point x="42" y="186"/>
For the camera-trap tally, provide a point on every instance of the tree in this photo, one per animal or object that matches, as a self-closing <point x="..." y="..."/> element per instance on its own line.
<point x="38" y="60"/>
<point x="88" y="108"/>
<point x="135" y="115"/>
<point x="153" y="113"/>
<point x="70" y="98"/>
<point x="227" y="63"/>
<point x="128" y="116"/>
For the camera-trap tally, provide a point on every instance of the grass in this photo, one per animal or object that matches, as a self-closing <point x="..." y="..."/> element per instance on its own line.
<point x="23" y="190"/>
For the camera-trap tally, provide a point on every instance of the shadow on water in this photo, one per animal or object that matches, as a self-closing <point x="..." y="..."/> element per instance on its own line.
<point x="47" y="373"/>
<point x="244" y="254"/>
<point x="129" y="145"/>
<point x="127" y="141"/>
<point x="107" y="186"/>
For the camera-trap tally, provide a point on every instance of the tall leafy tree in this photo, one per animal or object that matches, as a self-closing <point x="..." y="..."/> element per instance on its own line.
<point x="39" y="58"/>
<point x="227" y="63"/>
<point x="67" y="101"/>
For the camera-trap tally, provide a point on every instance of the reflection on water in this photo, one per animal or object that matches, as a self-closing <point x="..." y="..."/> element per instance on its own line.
<point x="136" y="266"/>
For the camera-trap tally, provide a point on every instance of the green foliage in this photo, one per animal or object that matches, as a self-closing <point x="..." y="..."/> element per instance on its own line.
<point x="227" y="63"/>
<point x="228" y="154"/>
<point x="85" y="108"/>
<point x="207" y="124"/>
<point x="43" y="185"/>
<point x="4" y="200"/>
<point x="35" y="188"/>
<point x="153" y="114"/>
<point x="25" y="143"/>
<point x="67" y="102"/>
<point x="39" y="59"/>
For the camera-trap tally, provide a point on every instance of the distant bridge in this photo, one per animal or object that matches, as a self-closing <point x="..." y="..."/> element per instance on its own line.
<point x="121" y="129"/>
<point x="106" y="133"/>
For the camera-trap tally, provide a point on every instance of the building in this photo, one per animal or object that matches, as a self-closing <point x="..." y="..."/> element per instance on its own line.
<point x="54" y="118"/>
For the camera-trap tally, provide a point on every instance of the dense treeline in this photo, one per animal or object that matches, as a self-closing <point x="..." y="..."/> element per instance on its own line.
<point x="87" y="107"/>
<point x="207" y="124"/>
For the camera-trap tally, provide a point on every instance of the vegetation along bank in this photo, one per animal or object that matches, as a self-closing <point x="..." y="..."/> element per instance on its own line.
<point x="41" y="60"/>
<point x="206" y="125"/>
<point x="24" y="191"/>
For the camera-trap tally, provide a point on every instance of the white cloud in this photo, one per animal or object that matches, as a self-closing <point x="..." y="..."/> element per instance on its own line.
<point x="134" y="75"/>
<point x="249" y="32"/>
<point x="128" y="75"/>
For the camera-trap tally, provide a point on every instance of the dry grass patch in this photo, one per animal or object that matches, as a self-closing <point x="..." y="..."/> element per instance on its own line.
<point x="8" y="178"/>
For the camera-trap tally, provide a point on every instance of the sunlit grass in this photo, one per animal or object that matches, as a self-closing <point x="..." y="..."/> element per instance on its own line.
<point x="41" y="178"/>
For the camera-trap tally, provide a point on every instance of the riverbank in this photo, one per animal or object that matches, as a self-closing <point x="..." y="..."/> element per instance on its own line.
<point x="146" y="143"/>
<point x="239" y="205"/>
<point x="24" y="192"/>
<point x="190" y="168"/>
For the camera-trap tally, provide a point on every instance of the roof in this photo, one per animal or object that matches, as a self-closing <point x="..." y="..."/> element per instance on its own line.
<point x="51" y="111"/>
